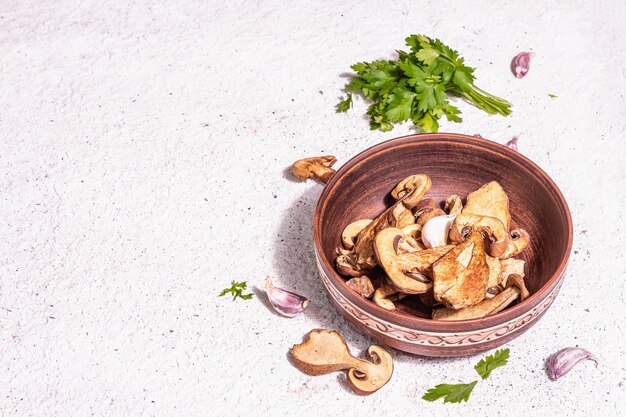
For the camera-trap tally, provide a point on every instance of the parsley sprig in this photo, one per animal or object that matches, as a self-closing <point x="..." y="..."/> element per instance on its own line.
<point x="456" y="393"/>
<point x="236" y="289"/>
<point x="491" y="362"/>
<point x="416" y="87"/>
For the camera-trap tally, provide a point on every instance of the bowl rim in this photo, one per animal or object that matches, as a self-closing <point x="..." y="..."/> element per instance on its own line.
<point x="415" y="322"/>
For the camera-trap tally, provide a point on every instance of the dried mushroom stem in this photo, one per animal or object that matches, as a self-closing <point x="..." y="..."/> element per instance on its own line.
<point x="428" y="214"/>
<point x="325" y="351"/>
<point x="515" y="289"/>
<point x="314" y="167"/>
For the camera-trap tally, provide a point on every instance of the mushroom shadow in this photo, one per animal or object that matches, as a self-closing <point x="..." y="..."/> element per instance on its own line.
<point x="296" y="269"/>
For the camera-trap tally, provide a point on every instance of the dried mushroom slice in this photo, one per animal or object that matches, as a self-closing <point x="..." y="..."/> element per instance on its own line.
<point x="458" y="282"/>
<point x="351" y="231"/>
<point x="362" y="286"/>
<point x="519" y="240"/>
<point x="408" y="192"/>
<point x="466" y="223"/>
<point x="325" y="351"/>
<point x="382" y="295"/>
<point x="490" y="200"/>
<point x="406" y="271"/>
<point x="515" y="288"/>
<point x="453" y="205"/>
<point x="314" y="167"/>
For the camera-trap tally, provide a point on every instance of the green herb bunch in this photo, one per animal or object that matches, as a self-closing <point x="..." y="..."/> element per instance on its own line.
<point x="416" y="87"/>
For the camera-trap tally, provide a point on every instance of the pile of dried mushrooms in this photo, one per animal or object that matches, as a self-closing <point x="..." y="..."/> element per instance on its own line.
<point x="459" y="259"/>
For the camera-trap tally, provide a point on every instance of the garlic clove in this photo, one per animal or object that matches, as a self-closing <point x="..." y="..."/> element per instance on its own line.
<point x="435" y="231"/>
<point x="521" y="64"/>
<point x="512" y="143"/>
<point x="285" y="302"/>
<point x="564" y="360"/>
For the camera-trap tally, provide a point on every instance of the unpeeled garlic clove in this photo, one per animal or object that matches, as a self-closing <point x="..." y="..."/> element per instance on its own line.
<point x="287" y="303"/>
<point x="564" y="360"/>
<point x="521" y="64"/>
<point x="435" y="231"/>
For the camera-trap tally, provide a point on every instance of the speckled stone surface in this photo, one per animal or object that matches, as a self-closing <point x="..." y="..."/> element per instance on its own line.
<point x="143" y="156"/>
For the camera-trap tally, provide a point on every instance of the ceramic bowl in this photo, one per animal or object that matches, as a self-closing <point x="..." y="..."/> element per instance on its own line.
<point x="456" y="164"/>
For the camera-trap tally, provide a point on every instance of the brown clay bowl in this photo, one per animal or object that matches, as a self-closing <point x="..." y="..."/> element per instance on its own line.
<point x="456" y="164"/>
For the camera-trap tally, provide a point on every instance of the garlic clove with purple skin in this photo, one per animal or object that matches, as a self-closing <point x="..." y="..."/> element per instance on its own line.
<point x="286" y="303"/>
<point x="435" y="231"/>
<point x="521" y="64"/>
<point x="564" y="360"/>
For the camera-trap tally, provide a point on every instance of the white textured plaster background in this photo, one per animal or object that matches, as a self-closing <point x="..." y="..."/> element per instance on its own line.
<point x="143" y="148"/>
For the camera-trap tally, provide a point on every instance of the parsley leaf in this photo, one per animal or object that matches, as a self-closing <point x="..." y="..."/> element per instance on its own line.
<point x="451" y="393"/>
<point x="416" y="87"/>
<point x="491" y="362"/>
<point x="236" y="290"/>
<point x="345" y="105"/>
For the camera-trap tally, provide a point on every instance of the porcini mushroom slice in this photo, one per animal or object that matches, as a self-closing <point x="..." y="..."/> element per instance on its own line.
<point x="325" y="351"/>
<point x="345" y="266"/>
<point x="362" y="286"/>
<point x="408" y="192"/>
<point x="314" y="167"/>
<point x="515" y="289"/>
<point x="453" y="205"/>
<point x="457" y="285"/>
<point x="518" y="242"/>
<point x="490" y="200"/>
<point x="382" y="294"/>
<point x="406" y="271"/>
<point x="466" y="223"/>
<point x="495" y="271"/>
<point x="351" y="231"/>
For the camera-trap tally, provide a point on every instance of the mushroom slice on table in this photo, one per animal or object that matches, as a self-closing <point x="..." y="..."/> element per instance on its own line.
<point x="325" y="351"/>
<point x="351" y="231"/>
<point x="458" y="282"/>
<point x="406" y="271"/>
<point x="314" y="167"/>
<point x="515" y="288"/>
<point x="408" y="193"/>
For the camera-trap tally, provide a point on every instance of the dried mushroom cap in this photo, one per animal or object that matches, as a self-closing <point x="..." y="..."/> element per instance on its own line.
<point x="456" y="285"/>
<point x="453" y="205"/>
<point x="314" y="167"/>
<point x="515" y="288"/>
<point x="382" y="294"/>
<point x="351" y="231"/>
<point x="490" y="200"/>
<point x="407" y="272"/>
<point x="362" y="286"/>
<point x="325" y="351"/>
<point x="411" y="189"/>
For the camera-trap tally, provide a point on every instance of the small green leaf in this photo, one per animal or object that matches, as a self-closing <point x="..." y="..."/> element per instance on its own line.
<point x="491" y="362"/>
<point x="236" y="289"/>
<point x="427" y="55"/>
<point x="345" y="105"/>
<point x="427" y="123"/>
<point x="359" y="67"/>
<point x="553" y="96"/>
<point x="451" y="393"/>
<point x="399" y="107"/>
